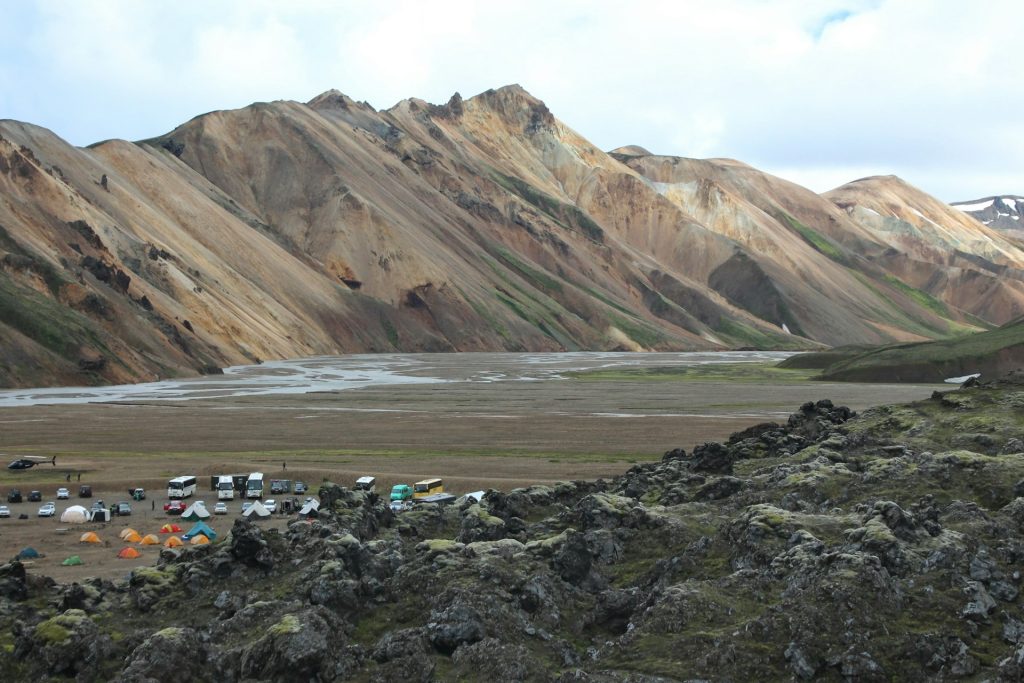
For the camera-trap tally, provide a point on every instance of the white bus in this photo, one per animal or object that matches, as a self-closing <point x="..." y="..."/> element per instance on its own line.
<point x="254" y="485"/>
<point x="181" y="487"/>
<point x="225" y="487"/>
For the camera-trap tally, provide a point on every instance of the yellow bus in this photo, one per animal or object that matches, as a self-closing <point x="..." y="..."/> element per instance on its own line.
<point x="427" y="487"/>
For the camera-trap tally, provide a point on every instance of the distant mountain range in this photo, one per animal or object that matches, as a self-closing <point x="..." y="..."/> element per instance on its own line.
<point x="286" y="229"/>
<point x="1002" y="212"/>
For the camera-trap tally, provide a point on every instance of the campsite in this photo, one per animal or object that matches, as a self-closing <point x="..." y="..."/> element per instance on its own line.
<point x="476" y="435"/>
<point x="57" y="542"/>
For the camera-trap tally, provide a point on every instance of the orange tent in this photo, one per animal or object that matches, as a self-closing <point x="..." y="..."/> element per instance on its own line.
<point x="133" y="537"/>
<point x="150" y="539"/>
<point x="129" y="553"/>
<point x="89" y="537"/>
<point x="199" y="540"/>
<point x="126" y="532"/>
<point x="170" y="529"/>
<point x="173" y="542"/>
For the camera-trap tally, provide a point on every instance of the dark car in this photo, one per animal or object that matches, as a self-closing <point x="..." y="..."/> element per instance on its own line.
<point x="300" y="487"/>
<point x="35" y="496"/>
<point x="14" y="496"/>
<point x="84" y="491"/>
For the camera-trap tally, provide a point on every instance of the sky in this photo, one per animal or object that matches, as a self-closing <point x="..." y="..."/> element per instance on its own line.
<point x="818" y="92"/>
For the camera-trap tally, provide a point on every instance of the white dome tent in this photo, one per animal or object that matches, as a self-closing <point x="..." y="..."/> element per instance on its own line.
<point x="76" y="514"/>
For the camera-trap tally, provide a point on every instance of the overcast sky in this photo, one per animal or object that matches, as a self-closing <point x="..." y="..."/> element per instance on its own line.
<point x="818" y="92"/>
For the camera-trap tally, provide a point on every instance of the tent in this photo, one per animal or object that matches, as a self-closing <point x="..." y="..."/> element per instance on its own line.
<point x="310" y="509"/>
<point x="195" y="512"/>
<point x="133" y="537"/>
<point x="150" y="539"/>
<point x="129" y="553"/>
<point x="127" y="531"/>
<point x="89" y="537"/>
<point x="28" y="553"/>
<point x="256" y="509"/>
<point x="72" y="561"/>
<point x="173" y="542"/>
<point x="201" y="529"/>
<point x="170" y="529"/>
<point x="76" y="514"/>
<point x="199" y="540"/>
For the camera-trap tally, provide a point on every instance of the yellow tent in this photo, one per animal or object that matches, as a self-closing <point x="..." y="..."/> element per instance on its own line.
<point x="133" y="537"/>
<point x="150" y="539"/>
<point x="199" y="540"/>
<point x="173" y="542"/>
<point x="129" y="553"/>
<point x="89" y="537"/>
<point x="170" y="529"/>
<point x="127" y="532"/>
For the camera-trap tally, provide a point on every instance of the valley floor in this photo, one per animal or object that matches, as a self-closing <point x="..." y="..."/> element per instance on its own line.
<point x="476" y="435"/>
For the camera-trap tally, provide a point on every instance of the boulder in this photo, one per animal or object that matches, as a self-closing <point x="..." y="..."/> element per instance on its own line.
<point x="248" y="545"/>
<point x="172" y="649"/>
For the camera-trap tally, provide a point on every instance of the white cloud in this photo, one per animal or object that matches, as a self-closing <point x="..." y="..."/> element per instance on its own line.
<point x="926" y="90"/>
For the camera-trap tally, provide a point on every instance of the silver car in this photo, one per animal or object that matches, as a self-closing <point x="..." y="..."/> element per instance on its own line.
<point x="48" y="510"/>
<point x="5" y="511"/>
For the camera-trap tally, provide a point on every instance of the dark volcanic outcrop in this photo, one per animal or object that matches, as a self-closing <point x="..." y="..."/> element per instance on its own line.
<point x="879" y="546"/>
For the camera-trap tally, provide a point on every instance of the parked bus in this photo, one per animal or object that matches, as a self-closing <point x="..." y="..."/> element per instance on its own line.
<point x="225" y="487"/>
<point x="254" y="485"/>
<point x="427" y="487"/>
<point x="181" y="487"/>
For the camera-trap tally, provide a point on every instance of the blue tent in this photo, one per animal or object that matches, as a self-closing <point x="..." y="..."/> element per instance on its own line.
<point x="201" y="528"/>
<point x="28" y="553"/>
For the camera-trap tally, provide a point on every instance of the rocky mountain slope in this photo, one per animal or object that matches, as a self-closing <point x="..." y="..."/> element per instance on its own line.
<point x="871" y="547"/>
<point x="1002" y="212"/>
<point x="286" y="229"/>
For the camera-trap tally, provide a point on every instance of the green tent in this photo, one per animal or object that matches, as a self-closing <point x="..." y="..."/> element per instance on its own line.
<point x="72" y="561"/>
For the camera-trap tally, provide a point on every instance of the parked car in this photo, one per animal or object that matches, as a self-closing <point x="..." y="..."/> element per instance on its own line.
<point x="400" y="505"/>
<point x="270" y="504"/>
<point x="85" y="491"/>
<point x="35" y="496"/>
<point x="98" y="505"/>
<point x="122" y="508"/>
<point x="5" y="511"/>
<point x="220" y="509"/>
<point x="47" y="510"/>
<point x="300" y="487"/>
<point x="137" y="493"/>
<point x="63" y="493"/>
<point x="175" y="507"/>
<point x="14" y="496"/>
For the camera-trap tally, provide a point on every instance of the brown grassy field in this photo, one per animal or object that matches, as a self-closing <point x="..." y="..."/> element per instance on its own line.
<point x="474" y="435"/>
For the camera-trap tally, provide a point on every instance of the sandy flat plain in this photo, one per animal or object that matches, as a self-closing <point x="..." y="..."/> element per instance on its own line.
<point x="477" y="420"/>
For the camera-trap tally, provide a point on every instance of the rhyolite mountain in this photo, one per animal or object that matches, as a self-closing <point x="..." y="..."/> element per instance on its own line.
<point x="286" y="229"/>
<point x="1002" y="212"/>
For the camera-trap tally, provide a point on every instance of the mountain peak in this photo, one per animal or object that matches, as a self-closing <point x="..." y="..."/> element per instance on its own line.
<point x="1003" y="212"/>
<point x="631" y="151"/>
<point x="335" y="99"/>
<point x="517" y="107"/>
